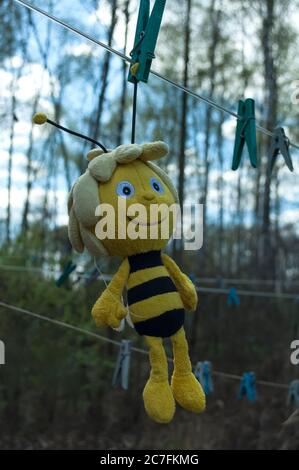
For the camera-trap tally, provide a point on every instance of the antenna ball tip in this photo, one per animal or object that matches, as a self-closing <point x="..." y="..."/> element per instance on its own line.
<point x="40" y="118"/>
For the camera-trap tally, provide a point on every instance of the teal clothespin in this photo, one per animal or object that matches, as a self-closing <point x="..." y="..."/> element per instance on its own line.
<point x="68" y="269"/>
<point x="202" y="372"/>
<point x="248" y="386"/>
<point x="245" y="132"/>
<point x="293" y="394"/>
<point x="280" y="144"/>
<point x="122" y="368"/>
<point x="146" y="36"/>
<point x="91" y="276"/>
<point x="233" y="300"/>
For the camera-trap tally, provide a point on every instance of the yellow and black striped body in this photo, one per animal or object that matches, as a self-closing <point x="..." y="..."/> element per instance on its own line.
<point x="155" y="305"/>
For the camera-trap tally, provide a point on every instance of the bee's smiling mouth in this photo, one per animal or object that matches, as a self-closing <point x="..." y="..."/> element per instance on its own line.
<point x="145" y="224"/>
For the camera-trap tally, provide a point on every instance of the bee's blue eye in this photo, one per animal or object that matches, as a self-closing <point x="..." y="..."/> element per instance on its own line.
<point x="156" y="185"/>
<point x="125" y="189"/>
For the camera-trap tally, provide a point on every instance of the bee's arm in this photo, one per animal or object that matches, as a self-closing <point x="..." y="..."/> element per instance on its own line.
<point x="109" y="309"/>
<point x="182" y="282"/>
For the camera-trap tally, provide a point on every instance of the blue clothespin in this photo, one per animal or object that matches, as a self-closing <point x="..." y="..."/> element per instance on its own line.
<point x="245" y="132"/>
<point x="146" y="36"/>
<point x="68" y="269"/>
<point x="293" y="394"/>
<point x="248" y="386"/>
<point x="202" y="372"/>
<point x="192" y="277"/>
<point x="280" y="144"/>
<point x="233" y="300"/>
<point x="122" y="368"/>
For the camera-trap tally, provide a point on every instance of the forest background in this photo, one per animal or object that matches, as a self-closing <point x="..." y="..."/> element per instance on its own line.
<point x="55" y="388"/>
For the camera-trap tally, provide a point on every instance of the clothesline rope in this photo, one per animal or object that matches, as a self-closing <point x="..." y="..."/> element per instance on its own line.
<point x="226" y="280"/>
<point x="248" y="293"/>
<point x="212" y="290"/>
<point x="118" y="343"/>
<point x="153" y="72"/>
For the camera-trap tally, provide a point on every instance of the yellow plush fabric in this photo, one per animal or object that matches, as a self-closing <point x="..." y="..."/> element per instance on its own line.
<point x="89" y="191"/>
<point x="183" y="284"/>
<point x="157" y="305"/>
<point x="39" y="118"/>
<point x="159" y="291"/>
<point x="139" y="175"/>
<point x="108" y="309"/>
<point x="144" y="275"/>
<point x="157" y="395"/>
<point x="186" y="389"/>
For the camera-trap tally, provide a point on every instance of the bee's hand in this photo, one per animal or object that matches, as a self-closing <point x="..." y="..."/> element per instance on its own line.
<point x="188" y="294"/>
<point x="108" y="310"/>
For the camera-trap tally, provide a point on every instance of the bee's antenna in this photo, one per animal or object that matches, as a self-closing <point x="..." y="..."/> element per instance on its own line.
<point x="41" y="118"/>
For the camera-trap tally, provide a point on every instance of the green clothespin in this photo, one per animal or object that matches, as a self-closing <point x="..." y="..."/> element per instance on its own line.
<point x="280" y="144"/>
<point x="68" y="269"/>
<point x="245" y="132"/>
<point x="146" y="36"/>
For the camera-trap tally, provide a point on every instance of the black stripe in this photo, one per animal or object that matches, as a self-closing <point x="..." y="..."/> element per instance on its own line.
<point x="163" y="326"/>
<point x="150" y="259"/>
<point x="157" y="286"/>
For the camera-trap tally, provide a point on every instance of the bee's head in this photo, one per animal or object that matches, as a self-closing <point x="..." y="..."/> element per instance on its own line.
<point x="122" y="178"/>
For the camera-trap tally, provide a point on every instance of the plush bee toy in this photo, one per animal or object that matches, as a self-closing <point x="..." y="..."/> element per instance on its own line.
<point x="158" y="292"/>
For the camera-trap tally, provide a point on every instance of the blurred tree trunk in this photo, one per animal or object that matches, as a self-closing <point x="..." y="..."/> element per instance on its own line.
<point x="239" y="220"/>
<point x="271" y="101"/>
<point x="29" y="173"/>
<point x="220" y="194"/>
<point x="257" y="212"/>
<point x="239" y="207"/>
<point x="121" y="121"/>
<point x="184" y="103"/>
<point x="13" y="104"/>
<point x="215" y="37"/>
<point x="183" y="123"/>
<point x="279" y="274"/>
<point x="104" y="75"/>
<point x="57" y="103"/>
<point x="66" y="161"/>
<point x="11" y="151"/>
<point x="196" y="127"/>
<point x="48" y="151"/>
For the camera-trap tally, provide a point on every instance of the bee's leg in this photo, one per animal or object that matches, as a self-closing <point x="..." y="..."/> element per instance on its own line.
<point x="157" y="395"/>
<point x="186" y="389"/>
